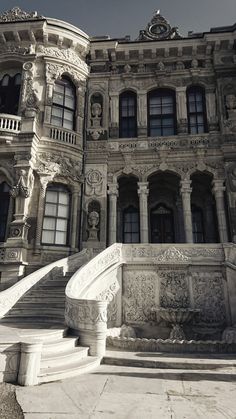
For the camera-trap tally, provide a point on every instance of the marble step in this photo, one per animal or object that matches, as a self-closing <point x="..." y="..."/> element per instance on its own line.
<point x="42" y="318"/>
<point x="62" y="359"/>
<point x="169" y="361"/>
<point x="38" y="305"/>
<point x="80" y="367"/>
<point x="61" y="345"/>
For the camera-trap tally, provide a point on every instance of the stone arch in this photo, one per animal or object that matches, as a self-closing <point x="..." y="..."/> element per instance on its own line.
<point x="6" y="176"/>
<point x="155" y="170"/>
<point x="122" y="172"/>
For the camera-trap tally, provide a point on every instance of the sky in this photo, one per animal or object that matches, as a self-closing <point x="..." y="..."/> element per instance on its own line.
<point x="118" y="18"/>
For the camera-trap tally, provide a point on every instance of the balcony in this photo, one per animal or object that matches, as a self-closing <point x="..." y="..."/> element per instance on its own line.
<point x="62" y="135"/>
<point x="10" y="123"/>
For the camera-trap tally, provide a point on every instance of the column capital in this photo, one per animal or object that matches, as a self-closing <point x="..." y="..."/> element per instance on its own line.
<point x="181" y="89"/>
<point x="143" y="188"/>
<point x="113" y="189"/>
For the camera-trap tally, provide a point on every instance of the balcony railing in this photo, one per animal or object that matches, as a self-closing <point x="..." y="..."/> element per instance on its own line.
<point x="10" y="123"/>
<point x="61" y="134"/>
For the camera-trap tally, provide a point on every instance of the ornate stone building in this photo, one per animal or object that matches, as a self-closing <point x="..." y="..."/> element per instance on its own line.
<point x="113" y="140"/>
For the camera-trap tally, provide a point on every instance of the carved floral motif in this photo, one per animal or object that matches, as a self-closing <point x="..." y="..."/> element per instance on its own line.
<point x="68" y="54"/>
<point x="174" y="291"/>
<point x="209" y="296"/>
<point x="139" y="296"/>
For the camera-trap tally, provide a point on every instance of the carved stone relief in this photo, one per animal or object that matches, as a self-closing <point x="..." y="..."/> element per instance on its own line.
<point x="139" y="290"/>
<point x="174" y="290"/>
<point x="208" y="294"/>
<point x="67" y="54"/>
<point x="94" y="183"/>
<point x="110" y="295"/>
<point x="17" y="14"/>
<point x="54" y="71"/>
<point x="59" y="167"/>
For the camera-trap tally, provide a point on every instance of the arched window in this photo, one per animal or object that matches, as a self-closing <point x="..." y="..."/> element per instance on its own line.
<point x="56" y="216"/>
<point x="131" y="225"/>
<point x="128" y="115"/>
<point x="10" y="94"/>
<point x="196" y="107"/>
<point x="64" y="104"/>
<point x="161" y="113"/>
<point x="198" y="225"/>
<point x="4" y="206"/>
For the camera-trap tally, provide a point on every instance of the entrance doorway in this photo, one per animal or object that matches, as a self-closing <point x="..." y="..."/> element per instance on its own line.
<point x="162" y="225"/>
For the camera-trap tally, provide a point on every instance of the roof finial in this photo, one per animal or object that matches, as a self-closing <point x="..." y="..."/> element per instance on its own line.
<point x="157" y="12"/>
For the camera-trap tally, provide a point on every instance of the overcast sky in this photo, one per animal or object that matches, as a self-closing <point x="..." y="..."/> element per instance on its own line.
<point x="118" y="18"/>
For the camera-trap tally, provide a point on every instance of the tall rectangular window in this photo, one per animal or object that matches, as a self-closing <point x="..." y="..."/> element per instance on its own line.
<point x="197" y="122"/>
<point x="128" y="115"/>
<point x="56" y="216"/>
<point x="64" y="104"/>
<point x="131" y="225"/>
<point x="161" y="113"/>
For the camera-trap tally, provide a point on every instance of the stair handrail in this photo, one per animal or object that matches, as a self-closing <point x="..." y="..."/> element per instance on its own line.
<point x="10" y="296"/>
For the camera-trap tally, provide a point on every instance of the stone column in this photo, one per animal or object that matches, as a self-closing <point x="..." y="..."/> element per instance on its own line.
<point x="75" y="217"/>
<point x="143" y="211"/>
<point x="30" y="363"/>
<point x="181" y="105"/>
<point x="113" y="194"/>
<point x="142" y="113"/>
<point x="211" y="109"/>
<point x="187" y="214"/>
<point x="114" y="115"/>
<point x="218" y="191"/>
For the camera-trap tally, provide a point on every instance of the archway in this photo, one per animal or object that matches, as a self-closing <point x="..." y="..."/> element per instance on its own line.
<point x="128" y="229"/>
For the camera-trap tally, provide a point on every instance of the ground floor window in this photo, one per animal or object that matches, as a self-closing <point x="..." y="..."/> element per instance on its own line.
<point x="56" y="216"/>
<point x="131" y="225"/>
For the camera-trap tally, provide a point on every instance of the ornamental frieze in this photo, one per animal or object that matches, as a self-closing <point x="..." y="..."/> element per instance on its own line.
<point x="68" y="55"/>
<point x="57" y="166"/>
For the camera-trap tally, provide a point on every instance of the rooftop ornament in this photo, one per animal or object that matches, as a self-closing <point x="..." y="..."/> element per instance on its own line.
<point x="17" y="14"/>
<point x="159" y="28"/>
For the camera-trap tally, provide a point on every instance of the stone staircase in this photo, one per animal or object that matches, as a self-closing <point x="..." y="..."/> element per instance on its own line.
<point x="39" y="315"/>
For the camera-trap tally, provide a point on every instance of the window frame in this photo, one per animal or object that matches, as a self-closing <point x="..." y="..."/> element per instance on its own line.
<point x="65" y="82"/>
<point x="57" y="189"/>
<point x="197" y="210"/>
<point x="194" y="90"/>
<point x="130" y="210"/>
<point x="162" y="117"/>
<point x="128" y="131"/>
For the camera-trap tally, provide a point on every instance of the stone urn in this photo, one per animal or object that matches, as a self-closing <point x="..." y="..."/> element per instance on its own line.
<point x="177" y="317"/>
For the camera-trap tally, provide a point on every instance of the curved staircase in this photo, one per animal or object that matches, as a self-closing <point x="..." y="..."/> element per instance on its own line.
<point x="39" y="316"/>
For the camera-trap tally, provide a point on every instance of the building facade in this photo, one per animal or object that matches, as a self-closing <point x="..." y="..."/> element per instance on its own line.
<point x="113" y="140"/>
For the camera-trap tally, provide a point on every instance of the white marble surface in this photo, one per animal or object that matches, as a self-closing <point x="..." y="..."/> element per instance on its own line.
<point x="134" y="393"/>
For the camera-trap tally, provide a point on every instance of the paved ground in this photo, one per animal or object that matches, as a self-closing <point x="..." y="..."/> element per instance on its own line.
<point x="133" y="393"/>
<point x="9" y="408"/>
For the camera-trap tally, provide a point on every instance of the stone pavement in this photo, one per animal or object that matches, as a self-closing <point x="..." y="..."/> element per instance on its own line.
<point x="134" y="393"/>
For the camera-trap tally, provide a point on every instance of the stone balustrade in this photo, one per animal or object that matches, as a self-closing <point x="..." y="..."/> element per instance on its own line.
<point x="10" y="123"/>
<point x="61" y="134"/>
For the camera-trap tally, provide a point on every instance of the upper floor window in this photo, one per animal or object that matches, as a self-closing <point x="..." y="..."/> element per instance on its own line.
<point x="161" y="113"/>
<point x="4" y="206"/>
<point x="64" y="104"/>
<point x="128" y="115"/>
<point x="196" y="106"/>
<point x="197" y="225"/>
<point x="10" y="94"/>
<point x="56" y="216"/>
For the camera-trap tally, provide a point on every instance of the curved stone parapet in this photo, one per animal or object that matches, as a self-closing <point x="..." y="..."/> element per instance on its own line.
<point x="86" y="303"/>
<point x="10" y="296"/>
